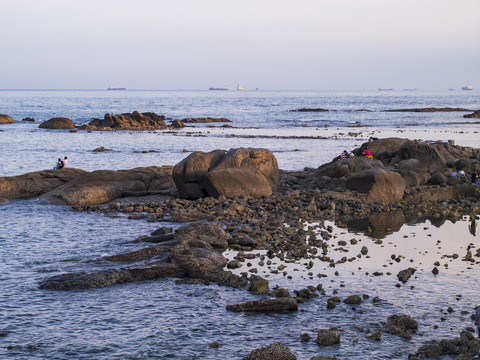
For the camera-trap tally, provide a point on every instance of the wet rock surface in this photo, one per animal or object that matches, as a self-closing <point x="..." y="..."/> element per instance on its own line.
<point x="204" y="120"/>
<point x="266" y="305"/>
<point x="277" y="351"/>
<point x="328" y="337"/>
<point x="466" y="345"/>
<point x="185" y="256"/>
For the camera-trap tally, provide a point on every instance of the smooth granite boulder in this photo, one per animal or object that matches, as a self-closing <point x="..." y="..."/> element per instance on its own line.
<point x="36" y="183"/>
<point x="5" y="119"/>
<point x="100" y="186"/>
<point x="377" y="185"/>
<point x="243" y="171"/>
<point x="57" y="123"/>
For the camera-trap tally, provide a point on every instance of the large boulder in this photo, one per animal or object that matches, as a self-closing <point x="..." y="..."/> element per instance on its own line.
<point x="377" y="184"/>
<point x="57" y="123"/>
<point x="5" y="119"/>
<point x="243" y="171"/>
<point x="189" y="174"/>
<point x="340" y="168"/>
<point x="128" y="121"/>
<point x="36" y="183"/>
<point x="101" y="186"/>
<point x="237" y="182"/>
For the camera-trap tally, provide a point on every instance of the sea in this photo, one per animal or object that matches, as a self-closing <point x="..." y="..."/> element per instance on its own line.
<point x="163" y="319"/>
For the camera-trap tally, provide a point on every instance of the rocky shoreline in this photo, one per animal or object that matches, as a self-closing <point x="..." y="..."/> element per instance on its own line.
<point x="407" y="181"/>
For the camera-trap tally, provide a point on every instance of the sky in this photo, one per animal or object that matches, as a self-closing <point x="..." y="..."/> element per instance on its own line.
<point x="269" y="44"/>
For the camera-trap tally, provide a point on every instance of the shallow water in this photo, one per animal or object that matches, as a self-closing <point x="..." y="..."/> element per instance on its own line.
<point x="164" y="320"/>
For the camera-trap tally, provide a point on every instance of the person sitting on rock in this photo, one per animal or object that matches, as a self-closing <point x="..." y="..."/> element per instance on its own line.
<point x="372" y="138"/>
<point x="345" y="154"/>
<point x="461" y="175"/>
<point x="59" y="164"/>
<point x="65" y="162"/>
<point x="367" y="153"/>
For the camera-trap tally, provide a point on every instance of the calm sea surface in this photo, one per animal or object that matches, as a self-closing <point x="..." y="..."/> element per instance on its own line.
<point x="164" y="320"/>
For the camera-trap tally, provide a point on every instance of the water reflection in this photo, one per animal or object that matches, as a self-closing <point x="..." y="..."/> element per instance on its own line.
<point x="381" y="225"/>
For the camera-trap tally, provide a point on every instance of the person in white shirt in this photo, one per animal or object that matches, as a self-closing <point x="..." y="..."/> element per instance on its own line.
<point x="65" y="162"/>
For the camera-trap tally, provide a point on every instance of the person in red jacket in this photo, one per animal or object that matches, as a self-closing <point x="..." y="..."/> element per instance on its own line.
<point x="367" y="153"/>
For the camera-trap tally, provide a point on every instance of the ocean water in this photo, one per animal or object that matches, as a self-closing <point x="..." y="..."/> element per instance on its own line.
<point x="164" y="320"/>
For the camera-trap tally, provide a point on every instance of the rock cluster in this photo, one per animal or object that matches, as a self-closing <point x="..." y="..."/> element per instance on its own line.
<point x="128" y="121"/>
<point x="475" y="114"/>
<point x="189" y="254"/>
<point x="400" y="169"/>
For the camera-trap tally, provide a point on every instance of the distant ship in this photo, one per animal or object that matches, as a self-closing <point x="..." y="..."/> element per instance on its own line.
<point x="414" y="89"/>
<point x="116" y="88"/>
<point x="218" y="88"/>
<point x="390" y="89"/>
<point x="468" y="87"/>
<point x="240" y="87"/>
<point x="452" y="89"/>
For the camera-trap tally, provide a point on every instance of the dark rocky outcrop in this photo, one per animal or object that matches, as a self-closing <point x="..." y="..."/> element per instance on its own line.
<point x="401" y="325"/>
<point x="243" y="171"/>
<point x="404" y="275"/>
<point x="178" y="124"/>
<point x="466" y="345"/>
<point x="284" y="304"/>
<point x="310" y="110"/>
<point x="57" y="123"/>
<point x="204" y="120"/>
<point x="475" y="114"/>
<point x="187" y="255"/>
<point x="128" y="121"/>
<point x="377" y="184"/>
<point x="100" y="186"/>
<point x="418" y="163"/>
<point x="5" y="119"/>
<point x="328" y="337"/>
<point x="36" y="183"/>
<point x="277" y="351"/>
<point x="429" y="109"/>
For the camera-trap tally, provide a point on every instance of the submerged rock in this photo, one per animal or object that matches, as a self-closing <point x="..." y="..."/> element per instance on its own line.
<point x="285" y="304"/>
<point x="328" y="337"/>
<point x="128" y="121"/>
<point x="401" y="325"/>
<point x="277" y="351"/>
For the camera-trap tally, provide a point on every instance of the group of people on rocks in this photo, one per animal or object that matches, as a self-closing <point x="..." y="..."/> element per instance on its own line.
<point x="61" y="163"/>
<point x="462" y="176"/>
<point x="346" y="154"/>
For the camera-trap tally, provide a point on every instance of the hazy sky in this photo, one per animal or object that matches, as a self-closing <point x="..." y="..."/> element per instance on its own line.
<point x="270" y="44"/>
